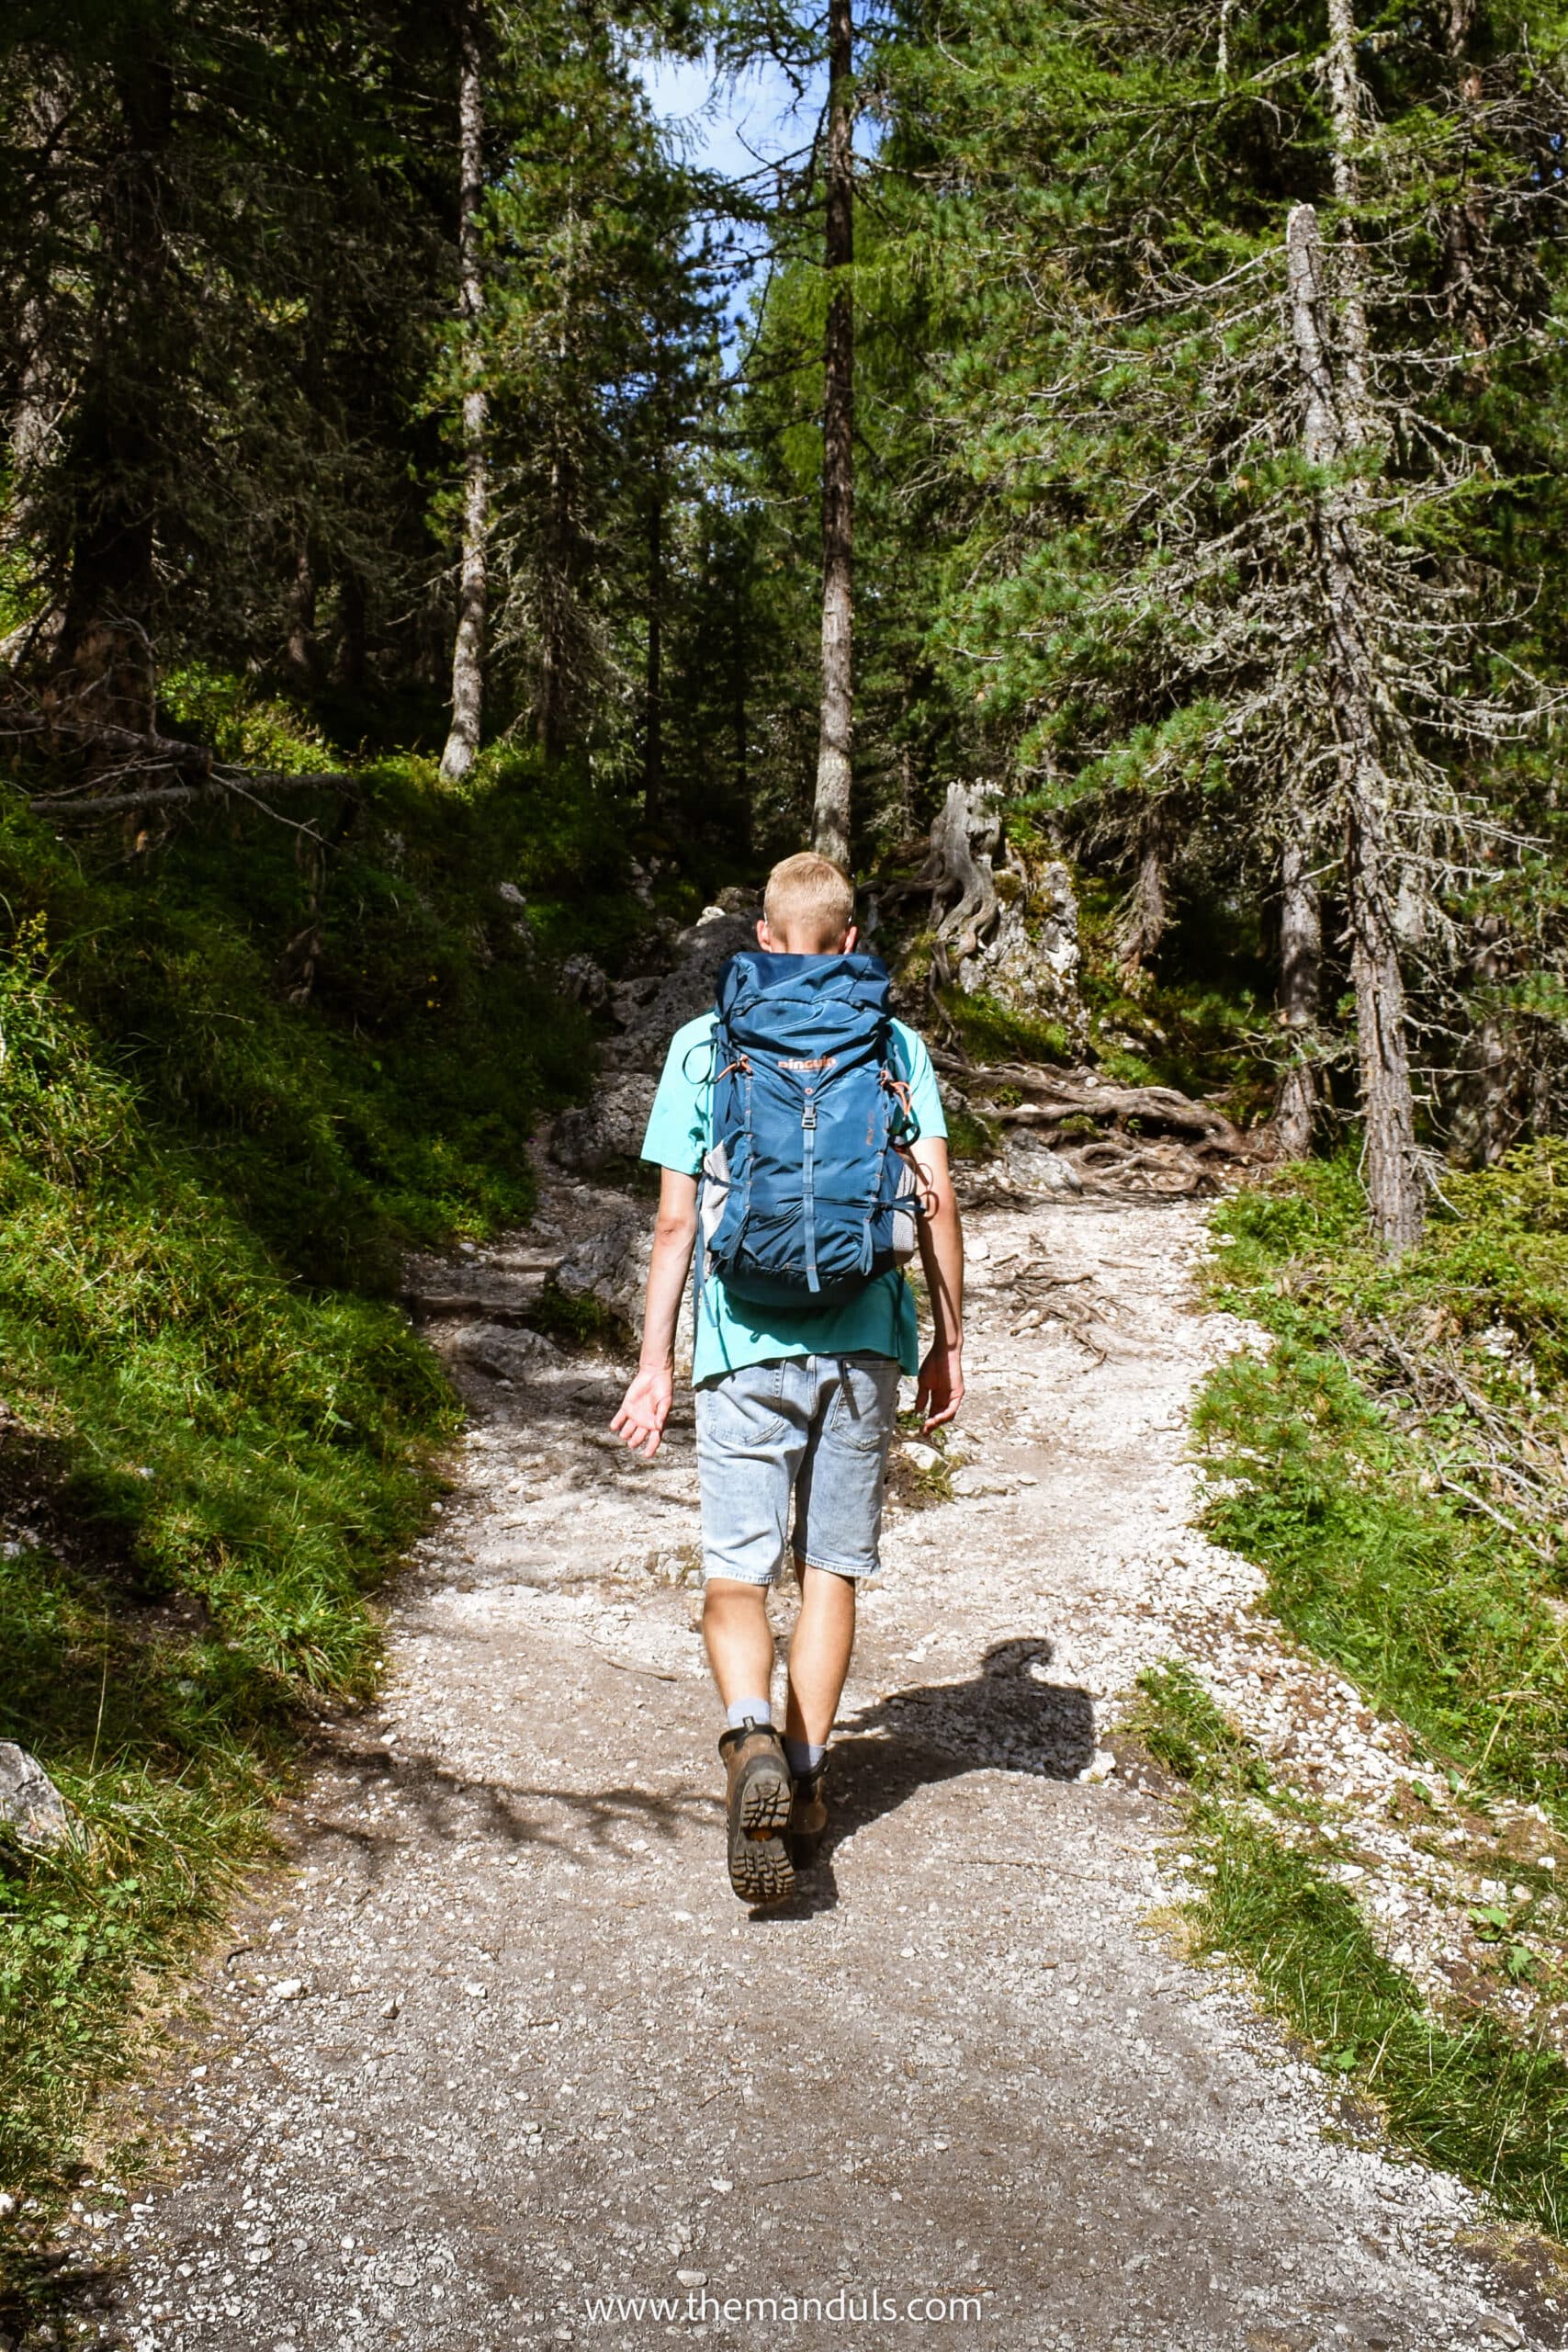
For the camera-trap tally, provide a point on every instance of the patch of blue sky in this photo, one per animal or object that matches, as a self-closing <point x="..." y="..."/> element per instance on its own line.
<point x="737" y="126"/>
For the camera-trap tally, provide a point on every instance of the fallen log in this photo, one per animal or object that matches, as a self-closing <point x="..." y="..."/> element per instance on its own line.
<point x="152" y="754"/>
<point x="160" y="751"/>
<point x="242" y="784"/>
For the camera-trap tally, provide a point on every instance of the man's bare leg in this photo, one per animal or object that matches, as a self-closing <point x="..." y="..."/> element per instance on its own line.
<point x="819" y="1653"/>
<point x="760" y="1795"/>
<point x="740" y="1639"/>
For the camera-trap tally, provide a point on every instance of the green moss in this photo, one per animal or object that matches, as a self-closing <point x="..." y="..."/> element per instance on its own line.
<point x="993" y="1033"/>
<point x="579" y="1320"/>
<point x="968" y="1136"/>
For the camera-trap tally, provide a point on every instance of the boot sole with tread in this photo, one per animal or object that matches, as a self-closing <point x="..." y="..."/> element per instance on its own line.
<point x="760" y="1870"/>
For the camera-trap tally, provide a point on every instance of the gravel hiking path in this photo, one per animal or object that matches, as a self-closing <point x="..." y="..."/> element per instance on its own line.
<point x="499" y="2041"/>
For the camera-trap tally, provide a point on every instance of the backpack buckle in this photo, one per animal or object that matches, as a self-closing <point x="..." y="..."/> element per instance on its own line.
<point x="808" y="1115"/>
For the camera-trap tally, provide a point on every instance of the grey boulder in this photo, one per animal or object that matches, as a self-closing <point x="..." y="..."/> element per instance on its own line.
<point x="30" y="1805"/>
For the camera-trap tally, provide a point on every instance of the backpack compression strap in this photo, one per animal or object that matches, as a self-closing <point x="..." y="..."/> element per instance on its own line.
<point x="808" y="1189"/>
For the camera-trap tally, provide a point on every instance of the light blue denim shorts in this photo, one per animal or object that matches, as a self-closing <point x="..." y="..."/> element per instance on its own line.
<point x="814" y="1429"/>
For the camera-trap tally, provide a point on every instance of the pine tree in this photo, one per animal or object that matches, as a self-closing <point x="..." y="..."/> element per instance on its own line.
<point x="469" y="649"/>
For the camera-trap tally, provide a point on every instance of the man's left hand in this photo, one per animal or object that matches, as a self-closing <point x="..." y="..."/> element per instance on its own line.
<point x="940" y="1390"/>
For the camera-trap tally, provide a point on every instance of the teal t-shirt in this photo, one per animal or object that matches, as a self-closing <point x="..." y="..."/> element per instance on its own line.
<point x="879" y="1321"/>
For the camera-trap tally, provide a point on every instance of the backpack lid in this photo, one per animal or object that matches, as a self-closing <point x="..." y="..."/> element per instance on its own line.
<point x="754" y="975"/>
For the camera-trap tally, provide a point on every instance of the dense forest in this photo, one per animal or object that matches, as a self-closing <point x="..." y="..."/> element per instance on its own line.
<point x="1110" y="474"/>
<point x="1190" y="495"/>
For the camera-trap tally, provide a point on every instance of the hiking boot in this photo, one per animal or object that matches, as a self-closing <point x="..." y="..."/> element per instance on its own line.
<point x="807" y="1816"/>
<point x="758" y="1812"/>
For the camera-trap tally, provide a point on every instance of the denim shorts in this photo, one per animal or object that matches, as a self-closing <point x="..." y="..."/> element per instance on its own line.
<point x="814" y="1428"/>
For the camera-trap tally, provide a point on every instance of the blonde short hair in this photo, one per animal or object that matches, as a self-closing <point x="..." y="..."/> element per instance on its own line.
<point x="811" y="895"/>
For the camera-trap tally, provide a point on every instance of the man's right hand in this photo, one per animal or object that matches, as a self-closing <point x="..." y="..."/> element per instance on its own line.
<point x="645" y="1409"/>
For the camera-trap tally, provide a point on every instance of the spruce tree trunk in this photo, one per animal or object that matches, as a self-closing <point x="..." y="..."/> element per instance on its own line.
<point x="1346" y="105"/>
<point x="300" y="653"/>
<point x="1301" y="984"/>
<point x="351" y="658"/>
<point x="1141" y="924"/>
<point x="653" y="700"/>
<point x="468" y="651"/>
<point x="1485" y="1122"/>
<point x="830" y="818"/>
<point x="558" y="629"/>
<point x="739" y="728"/>
<point x="1393" y="1171"/>
<point x="103" y="671"/>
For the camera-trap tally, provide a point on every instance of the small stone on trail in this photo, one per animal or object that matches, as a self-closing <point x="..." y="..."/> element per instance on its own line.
<point x="1101" y="1768"/>
<point x="723" y="2186"/>
<point x="691" y="2278"/>
<point x="291" y="1989"/>
<point x="477" y="1992"/>
<point x="924" y="1458"/>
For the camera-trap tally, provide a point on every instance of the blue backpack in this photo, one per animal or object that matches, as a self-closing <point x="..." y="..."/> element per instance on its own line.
<point x="808" y="1193"/>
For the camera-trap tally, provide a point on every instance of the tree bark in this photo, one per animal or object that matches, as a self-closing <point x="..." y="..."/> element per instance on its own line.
<point x="1486" y="1119"/>
<point x="104" y="667"/>
<point x="559" y="631"/>
<point x="1301" y="986"/>
<point x="351" y="658"/>
<point x="1346" y="107"/>
<point x="301" y="655"/>
<point x="1141" y="924"/>
<point x="653" y="695"/>
<point x="1393" y="1169"/>
<point x="468" y="651"/>
<point x="830" y="818"/>
<point x="964" y="837"/>
<point x="737" y="700"/>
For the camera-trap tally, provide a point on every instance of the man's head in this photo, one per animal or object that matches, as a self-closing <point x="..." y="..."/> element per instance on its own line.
<point x="807" y="908"/>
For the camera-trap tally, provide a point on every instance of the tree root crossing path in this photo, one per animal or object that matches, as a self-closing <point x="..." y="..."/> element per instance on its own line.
<point x="496" y="2059"/>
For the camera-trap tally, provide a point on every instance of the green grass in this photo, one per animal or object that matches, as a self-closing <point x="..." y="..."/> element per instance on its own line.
<point x="167" y="1741"/>
<point x="1333" y="1470"/>
<point x="215" y="1428"/>
<point x="1461" y="2093"/>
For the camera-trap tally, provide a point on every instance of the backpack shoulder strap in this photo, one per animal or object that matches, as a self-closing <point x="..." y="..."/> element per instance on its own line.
<point x="906" y="1127"/>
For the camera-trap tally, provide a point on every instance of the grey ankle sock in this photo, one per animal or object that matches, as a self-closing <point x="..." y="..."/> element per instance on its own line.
<point x="804" y="1755"/>
<point x="756" y="1711"/>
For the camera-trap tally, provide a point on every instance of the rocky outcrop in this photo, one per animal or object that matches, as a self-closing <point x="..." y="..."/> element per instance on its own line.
<point x="611" y="1266"/>
<point x="1030" y="961"/>
<point x="500" y="1287"/>
<point x="31" y="1807"/>
<point x="607" y="1129"/>
<point x="649" y="1008"/>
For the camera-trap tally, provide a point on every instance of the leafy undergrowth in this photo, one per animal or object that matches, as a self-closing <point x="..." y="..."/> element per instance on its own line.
<point x="243" y="1067"/>
<point x="1396" y="1462"/>
<point x="1462" y="2093"/>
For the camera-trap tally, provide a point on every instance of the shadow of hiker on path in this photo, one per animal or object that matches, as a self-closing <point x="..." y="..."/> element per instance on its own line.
<point x="1010" y="1717"/>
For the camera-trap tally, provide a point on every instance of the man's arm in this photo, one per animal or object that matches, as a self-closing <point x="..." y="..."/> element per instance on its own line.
<point x="941" y="1388"/>
<point x="645" y="1407"/>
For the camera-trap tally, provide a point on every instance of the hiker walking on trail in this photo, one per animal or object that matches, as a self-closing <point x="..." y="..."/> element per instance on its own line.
<point x="802" y="1142"/>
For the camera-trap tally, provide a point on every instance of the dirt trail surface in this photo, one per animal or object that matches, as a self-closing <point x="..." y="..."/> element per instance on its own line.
<point x="501" y="2042"/>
